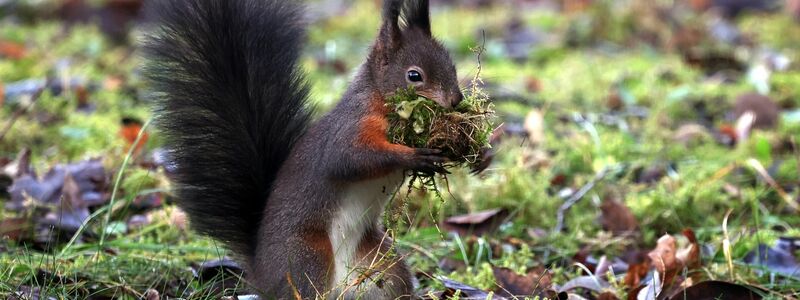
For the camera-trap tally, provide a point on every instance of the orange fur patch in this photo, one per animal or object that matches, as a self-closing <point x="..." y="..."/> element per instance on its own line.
<point x="373" y="128"/>
<point x="320" y="244"/>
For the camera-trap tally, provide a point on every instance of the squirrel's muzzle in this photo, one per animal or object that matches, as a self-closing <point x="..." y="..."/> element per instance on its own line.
<point x="444" y="99"/>
<point x="455" y="98"/>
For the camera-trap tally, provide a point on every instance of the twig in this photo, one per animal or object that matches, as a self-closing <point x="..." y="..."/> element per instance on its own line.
<point x="295" y="292"/>
<point x="19" y="112"/>
<point x="759" y="168"/>
<point x="476" y="81"/>
<point x="577" y="197"/>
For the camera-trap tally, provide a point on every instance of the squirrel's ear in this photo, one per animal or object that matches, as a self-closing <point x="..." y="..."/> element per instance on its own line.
<point x="416" y="13"/>
<point x="391" y="34"/>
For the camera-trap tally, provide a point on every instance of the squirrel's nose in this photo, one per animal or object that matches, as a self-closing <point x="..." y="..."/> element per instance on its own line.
<point x="457" y="98"/>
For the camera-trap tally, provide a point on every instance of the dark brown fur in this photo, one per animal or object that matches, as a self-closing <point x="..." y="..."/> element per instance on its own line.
<point x="296" y="193"/>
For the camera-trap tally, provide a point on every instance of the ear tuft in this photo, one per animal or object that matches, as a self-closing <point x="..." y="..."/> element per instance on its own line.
<point x="390" y="34"/>
<point x="416" y="13"/>
<point x="409" y="14"/>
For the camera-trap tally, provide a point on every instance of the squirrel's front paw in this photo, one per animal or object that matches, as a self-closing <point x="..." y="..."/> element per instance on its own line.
<point x="428" y="161"/>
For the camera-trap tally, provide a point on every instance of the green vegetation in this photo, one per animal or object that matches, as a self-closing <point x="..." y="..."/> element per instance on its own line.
<point x="606" y="112"/>
<point x="461" y="133"/>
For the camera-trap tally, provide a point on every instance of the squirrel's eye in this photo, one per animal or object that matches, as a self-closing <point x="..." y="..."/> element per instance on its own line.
<point x="414" y="76"/>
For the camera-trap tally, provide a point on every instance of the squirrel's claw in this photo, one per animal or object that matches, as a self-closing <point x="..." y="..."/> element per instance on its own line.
<point x="486" y="157"/>
<point x="428" y="161"/>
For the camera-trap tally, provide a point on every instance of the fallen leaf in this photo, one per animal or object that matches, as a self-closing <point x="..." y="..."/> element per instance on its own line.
<point x="713" y="290"/>
<point x="765" y="111"/>
<point x="689" y="256"/>
<point x="663" y="256"/>
<point x="511" y="284"/>
<point x="465" y="291"/>
<point x="12" y="50"/>
<point x="589" y="282"/>
<point x="533" y="85"/>
<point x="89" y="176"/>
<point x="653" y="288"/>
<point x="636" y="272"/>
<point x="668" y="260"/>
<point x="617" y="218"/>
<point x="607" y="296"/>
<point x="477" y="223"/>
<point x="130" y="132"/>
<point x="614" y="101"/>
<point x="72" y="211"/>
<point x="779" y="259"/>
<point x="20" y="166"/>
<point x="16" y="229"/>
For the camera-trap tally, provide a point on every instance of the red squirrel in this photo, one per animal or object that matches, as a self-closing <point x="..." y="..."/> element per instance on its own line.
<point x="299" y="203"/>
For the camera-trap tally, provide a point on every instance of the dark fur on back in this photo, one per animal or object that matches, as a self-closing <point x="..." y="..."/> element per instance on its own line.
<point x="231" y="103"/>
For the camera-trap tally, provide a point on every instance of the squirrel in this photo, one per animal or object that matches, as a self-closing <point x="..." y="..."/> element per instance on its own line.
<point x="298" y="202"/>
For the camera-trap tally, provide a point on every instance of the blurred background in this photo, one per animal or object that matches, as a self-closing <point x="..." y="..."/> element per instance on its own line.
<point x="618" y="122"/>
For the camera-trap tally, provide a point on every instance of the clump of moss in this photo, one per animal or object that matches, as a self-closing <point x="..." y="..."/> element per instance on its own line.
<point x="461" y="133"/>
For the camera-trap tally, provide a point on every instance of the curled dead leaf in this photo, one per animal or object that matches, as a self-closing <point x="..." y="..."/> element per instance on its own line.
<point x="477" y="223"/>
<point x="668" y="260"/>
<point x="663" y="256"/>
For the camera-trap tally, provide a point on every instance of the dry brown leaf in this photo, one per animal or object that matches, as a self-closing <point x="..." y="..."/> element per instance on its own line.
<point x="477" y="223"/>
<point x="607" y="296"/>
<point x="669" y="260"/>
<point x="12" y="50"/>
<point x="663" y="256"/>
<point x="689" y="256"/>
<point x="617" y="218"/>
<point x="511" y="284"/>
<point x="130" y="130"/>
<point x="635" y="274"/>
<point x="15" y="229"/>
<point x="765" y="110"/>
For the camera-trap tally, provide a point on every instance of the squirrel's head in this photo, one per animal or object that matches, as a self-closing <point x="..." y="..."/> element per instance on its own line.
<point x="406" y="54"/>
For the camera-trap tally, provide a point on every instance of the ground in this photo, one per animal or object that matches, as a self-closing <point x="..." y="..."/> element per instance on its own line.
<point x="619" y="126"/>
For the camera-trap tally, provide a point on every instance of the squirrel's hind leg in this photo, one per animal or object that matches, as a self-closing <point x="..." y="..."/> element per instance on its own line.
<point x="301" y="264"/>
<point x="380" y="272"/>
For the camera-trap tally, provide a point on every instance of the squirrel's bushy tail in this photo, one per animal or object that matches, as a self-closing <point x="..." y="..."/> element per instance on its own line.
<point x="230" y="103"/>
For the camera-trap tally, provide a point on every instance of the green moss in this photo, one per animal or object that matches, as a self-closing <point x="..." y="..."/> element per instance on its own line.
<point x="461" y="133"/>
